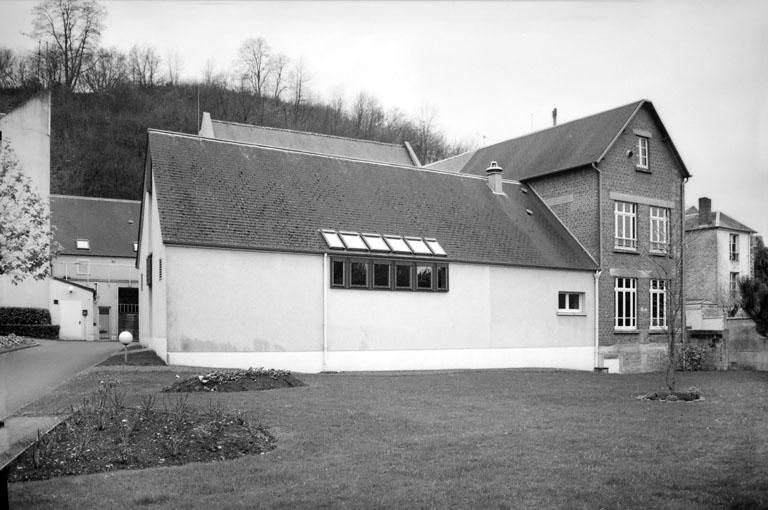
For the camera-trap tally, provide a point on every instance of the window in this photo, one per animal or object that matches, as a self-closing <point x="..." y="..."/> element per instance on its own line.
<point x="424" y="277"/>
<point x="658" y="304"/>
<point x="642" y="152"/>
<point x="435" y="247"/>
<point x="358" y="274"/>
<point x="625" y="215"/>
<point x="149" y="270"/>
<point x="569" y="302"/>
<point x="337" y="273"/>
<point x="375" y="273"/>
<point x="83" y="244"/>
<point x="135" y="246"/>
<point x="625" y="303"/>
<point x="332" y="240"/>
<point x="82" y="267"/>
<point x="442" y="277"/>
<point x="734" y="242"/>
<point x="659" y="229"/>
<point x="403" y="277"/>
<point x="418" y="246"/>
<point x="353" y="241"/>
<point x="381" y="271"/>
<point x="396" y="244"/>
<point x="159" y="269"/>
<point x="375" y="242"/>
<point x="734" y="286"/>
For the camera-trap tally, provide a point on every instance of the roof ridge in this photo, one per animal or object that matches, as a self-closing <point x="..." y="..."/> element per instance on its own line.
<point x="401" y="145"/>
<point x="319" y="154"/>
<point x="104" y="199"/>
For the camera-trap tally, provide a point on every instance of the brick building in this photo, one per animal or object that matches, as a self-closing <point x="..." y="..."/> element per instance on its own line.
<point x="616" y="181"/>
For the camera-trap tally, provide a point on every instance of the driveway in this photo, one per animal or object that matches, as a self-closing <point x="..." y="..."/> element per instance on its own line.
<point x="28" y="374"/>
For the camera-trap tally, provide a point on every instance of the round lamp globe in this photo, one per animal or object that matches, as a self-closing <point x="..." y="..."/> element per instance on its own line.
<point x="125" y="338"/>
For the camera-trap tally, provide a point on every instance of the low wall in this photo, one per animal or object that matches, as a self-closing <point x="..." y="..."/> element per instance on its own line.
<point x="746" y="349"/>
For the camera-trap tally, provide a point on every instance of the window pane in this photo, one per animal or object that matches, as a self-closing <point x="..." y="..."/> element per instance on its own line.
<point x="353" y="241"/>
<point x="435" y="247"/>
<point x="358" y="274"/>
<point x="403" y="278"/>
<point x="380" y="275"/>
<point x="338" y="273"/>
<point x="561" y="298"/>
<point x="397" y="244"/>
<point x="418" y="246"/>
<point x="574" y="302"/>
<point x="332" y="240"/>
<point x="375" y="242"/>
<point x="424" y="277"/>
<point x="442" y="277"/>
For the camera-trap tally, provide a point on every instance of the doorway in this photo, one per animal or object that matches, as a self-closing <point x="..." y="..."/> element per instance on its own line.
<point x="104" y="323"/>
<point x="71" y="325"/>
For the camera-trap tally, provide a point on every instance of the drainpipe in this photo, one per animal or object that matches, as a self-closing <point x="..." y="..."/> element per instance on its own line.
<point x="325" y="311"/>
<point x="682" y="259"/>
<point x="599" y="261"/>
<point x="597" y="318"/>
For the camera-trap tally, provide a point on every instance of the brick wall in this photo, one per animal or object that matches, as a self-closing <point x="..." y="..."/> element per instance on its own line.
<point x="746" y="349"/>
<point x="701" y="265"/>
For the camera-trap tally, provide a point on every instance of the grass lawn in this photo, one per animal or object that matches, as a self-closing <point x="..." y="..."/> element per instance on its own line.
<point x="479" y="439"/>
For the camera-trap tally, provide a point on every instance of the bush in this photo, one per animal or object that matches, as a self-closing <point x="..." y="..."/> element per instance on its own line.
<point x="692" y="357"/>
<point x="17" y="315"/>
<point x="33" y="330"/>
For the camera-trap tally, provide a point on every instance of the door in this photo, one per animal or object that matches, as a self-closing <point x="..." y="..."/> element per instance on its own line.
<point x="103" y="322"/>
<point x="71" y="320"/>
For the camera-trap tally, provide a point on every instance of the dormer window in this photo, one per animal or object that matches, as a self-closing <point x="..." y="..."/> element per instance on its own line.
<point x="642" y="152"/>
<point x="83" y="244"/>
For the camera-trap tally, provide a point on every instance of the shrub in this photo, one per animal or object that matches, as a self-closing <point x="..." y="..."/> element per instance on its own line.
<point x="32" y="330"/>
<point x="18" y="315"/>
<point x="692" y="357"/>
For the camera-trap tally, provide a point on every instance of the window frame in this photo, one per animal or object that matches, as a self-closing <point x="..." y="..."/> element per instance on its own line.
<point x="386" y="263"/>
<point x="643" y="152"/>
<point x="622" y="216"/>
<point x="733" y="285"/>
<point x="366" y="264"/>
<point x="83" y="267"/>
<point x="620" y="293"/>
<point x="343" y="262"/>
<point x="568" y="297"/>
<point x="82" y="244"/>
<point x="392" y="265"/>
<point x="431" y="268"/>
<point x="733" y="243"/>
<point x="657" y="290"/>
<point x="659" y="217"/>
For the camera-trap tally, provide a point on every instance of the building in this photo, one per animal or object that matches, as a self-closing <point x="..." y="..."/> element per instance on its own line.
<point x="262" y="256"/>
<point x="616" y="180"/>
<point x="719" y="251"/>
<point x="97" y="240"/>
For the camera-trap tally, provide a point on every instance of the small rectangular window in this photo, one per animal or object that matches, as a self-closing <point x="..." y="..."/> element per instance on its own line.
<point x="442" y="277"/>
<point x="642" y="152"/>
<point x="337" y="273"/>
<point x="358" y="274"/>
<point x="403" y="276"/>
<point x="734" y="286"/>
<point x="658" y="289"/>
<point x="424" y="277"/>
<point x="734" y="243"/>
<point x="396" y="244"/>
<point x="83" y="244"/>
<point x="353" y="241"/>
<point x="435" y="247"/>
<point x="381" y="272"/>
<point x="418" y="246"/>
<point x="659" y="229"/>
<point x="625" y="303"/>
<point x="625" y="225"/>
<point x="83" y="267"/>
<point x="149" y="270"/>
<point x="332" y="239"/>
<point x="375" y="242"/>
<point x="569" y="302"/>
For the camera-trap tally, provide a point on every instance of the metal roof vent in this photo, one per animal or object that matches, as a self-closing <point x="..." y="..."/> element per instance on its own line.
<point x="529" y="212"/>
<point x="494" y="178"/>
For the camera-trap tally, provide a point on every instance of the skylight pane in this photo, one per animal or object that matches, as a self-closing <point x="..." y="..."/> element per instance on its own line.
<point x="353" y="241"/>
<point x="332" y="240"/>
<point x="418" y="246"/>
<point x="397" y="244"/>
<point x="435" y="247"/>
<point x="83" y="244"/>
<point x="375" y="242"/>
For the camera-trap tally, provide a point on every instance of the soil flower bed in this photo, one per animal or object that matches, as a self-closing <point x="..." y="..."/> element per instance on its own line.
<point x="105" y="435"/>
<point x="12" y="342"/>
<point x="143" y="358"/>
<point x="237" y="380"/>
<point x="689" y="395"/>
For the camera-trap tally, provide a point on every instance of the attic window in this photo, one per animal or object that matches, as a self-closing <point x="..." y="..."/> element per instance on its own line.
<point x="332" y="240"/>
<point x="418" y="246"/>
<point x="83" y="244"/>
<point x="135" y="246"/>
<point x="435" y="247"/>
<point x="353" y="241"/>
<point x="396" y="244"/>
<point x="375" y="242"/>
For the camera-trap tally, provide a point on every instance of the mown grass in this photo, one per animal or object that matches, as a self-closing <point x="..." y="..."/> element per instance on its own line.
<point x="479" y="439"/>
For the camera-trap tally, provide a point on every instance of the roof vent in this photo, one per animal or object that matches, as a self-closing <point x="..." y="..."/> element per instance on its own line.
<point x="494" y="177"/>
<point x="529" y="212"/>
<point x="130" y="222"/>
<point x="524" y="190"/>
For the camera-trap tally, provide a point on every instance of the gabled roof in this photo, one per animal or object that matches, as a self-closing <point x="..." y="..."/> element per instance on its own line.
<point x="398" y="154"/>
<point x="110" y="226"/>
<point x="452" y="164"/>
<point x="233" y="195"/>
<point x="570" y="145"/>
<point x="717" y="219"/>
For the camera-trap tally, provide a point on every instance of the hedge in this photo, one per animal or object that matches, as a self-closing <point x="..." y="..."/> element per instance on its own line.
<point x="17" y="315"/>
<point x="32" y="330"/>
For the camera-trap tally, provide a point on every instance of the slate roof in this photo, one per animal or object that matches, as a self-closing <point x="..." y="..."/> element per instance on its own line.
<point x="313" y="142"/>
<point x="104" y="222"/>
<point x="716" y="220"/>
<point x="452" y="164"/>
<point x="231" y="195"/>
<point x="566" y="146"/>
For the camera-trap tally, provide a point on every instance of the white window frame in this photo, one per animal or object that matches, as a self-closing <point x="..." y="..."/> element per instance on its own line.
<point x="733" y="285"/>
<point x="625" y="289"/>
<point x="569" y="298"/>
<point x="733" y="241"/>
<point x="658" y="304"/>
<point x="643" y="146"/>
<point x="82" y="267"/>
<point x="659" y="219"/>
<point x="83" y="244"/>
<point x="625" y="216"/>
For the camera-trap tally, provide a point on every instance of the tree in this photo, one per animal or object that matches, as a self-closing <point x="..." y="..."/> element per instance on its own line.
<point x="277" y="65"/>
<point x="143" y="66"/>
<point x="25" y="234"/>
<point x="754" y="291"/>
<point x="107" y="69"/>
<point x="74" y="28"/>
<point x="253" y="60"/>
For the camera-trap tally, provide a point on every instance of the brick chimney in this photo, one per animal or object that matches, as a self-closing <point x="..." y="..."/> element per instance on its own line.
<point x="494" y="178"/>
<point x="705" y="207"/>
<point x="554" y="117"/>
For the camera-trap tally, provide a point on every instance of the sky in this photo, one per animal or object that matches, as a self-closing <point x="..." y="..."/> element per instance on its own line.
<point x="495" y="70"/>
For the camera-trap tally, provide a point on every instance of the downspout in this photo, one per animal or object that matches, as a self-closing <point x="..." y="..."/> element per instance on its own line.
<point x="597" y="318"/>
<point x="325" y="311"/>
<point x="682" y="258"/>
<point x="599" y="261"/>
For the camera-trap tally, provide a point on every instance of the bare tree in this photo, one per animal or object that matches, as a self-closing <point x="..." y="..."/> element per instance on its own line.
<point x="298" y="81"/>
<point x="278" y="64"/>
<point x="107" y="69"/>
<point x="8" y="62"/>
<point x="253" y="62"/>
<point x="173" y="66"/>
<point x="427" y="137"/>
<point x="144" y="66"/>
<point x="74" y="27"/>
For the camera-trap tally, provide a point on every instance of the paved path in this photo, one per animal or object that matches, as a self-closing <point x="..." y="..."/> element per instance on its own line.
<point x="28" y="374"/>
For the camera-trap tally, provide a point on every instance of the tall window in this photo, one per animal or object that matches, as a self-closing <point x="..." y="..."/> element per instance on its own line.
<point x="658" y="304"/>
<point x="659" y="229"/>
<point x="734" y="238"/>
<point x="625" y="221"/>
<point x="625" y="303"/>
<point x="642" y="152"/>
<point x="734" y="287"/>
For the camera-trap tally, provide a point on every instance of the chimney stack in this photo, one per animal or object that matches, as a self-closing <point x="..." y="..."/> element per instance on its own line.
<point x="705" y="208"/>
<point x="554" y="117"/>
<point x="494" y="178"/>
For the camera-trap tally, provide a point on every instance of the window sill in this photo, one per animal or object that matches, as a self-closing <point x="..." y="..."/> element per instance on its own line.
<point x="643" y="170"/>
<point x="567" y="313"/>
<point x="625" y="331"/>
<point x="657" y="253"/>
<point x="632" y="251"/>
<point x="657" y="331"/>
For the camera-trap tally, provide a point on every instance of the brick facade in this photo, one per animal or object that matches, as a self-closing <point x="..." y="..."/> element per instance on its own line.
<point x="701" y="265"/>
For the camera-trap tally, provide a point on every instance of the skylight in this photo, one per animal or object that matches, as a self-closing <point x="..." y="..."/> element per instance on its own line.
<point x="332" y="240"/>
<point x="353" y="241"/>
<point x="83" y="244"/>
<point x="418" y="246"/>
<point x="375" y="242"/>
<point x="435" y="247"/>
<point x="396" y="244"/>
<point x="135" y="246"/>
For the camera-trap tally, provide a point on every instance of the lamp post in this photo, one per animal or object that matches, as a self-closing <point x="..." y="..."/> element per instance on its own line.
<point x="125" y="338"/>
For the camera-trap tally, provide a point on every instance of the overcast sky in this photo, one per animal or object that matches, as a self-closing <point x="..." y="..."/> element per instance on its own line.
<point x="495" y="70"/>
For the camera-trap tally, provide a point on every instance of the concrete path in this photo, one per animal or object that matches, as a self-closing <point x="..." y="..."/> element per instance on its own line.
<point x="28" y="374"/>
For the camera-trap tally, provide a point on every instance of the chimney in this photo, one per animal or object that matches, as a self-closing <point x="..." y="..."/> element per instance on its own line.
<point x="494" y="178"/>
<point x="705" y="207"/>
<point x="554" y="117"/>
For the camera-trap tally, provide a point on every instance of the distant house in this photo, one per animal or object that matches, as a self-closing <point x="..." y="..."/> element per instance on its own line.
<point x="616" y="181"/>
<point x="316" y="143"/>
<point x="306" y="260"/>
<point x="718" y="253"/>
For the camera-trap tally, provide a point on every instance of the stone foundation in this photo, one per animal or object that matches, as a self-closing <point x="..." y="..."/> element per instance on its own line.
<point x="636" y="358"/>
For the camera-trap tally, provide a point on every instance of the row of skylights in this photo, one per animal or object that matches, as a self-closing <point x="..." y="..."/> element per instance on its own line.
<point x="382" y="244"/>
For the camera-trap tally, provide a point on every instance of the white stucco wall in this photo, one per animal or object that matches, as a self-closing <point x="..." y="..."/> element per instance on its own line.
<point x="61" y="292"/>
<point x="726" y="265"/>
